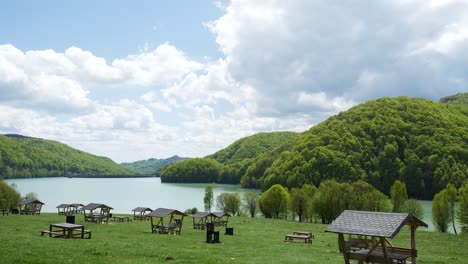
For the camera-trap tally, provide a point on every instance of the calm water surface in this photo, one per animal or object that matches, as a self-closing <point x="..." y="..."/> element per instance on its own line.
<point x="123" y="194"/>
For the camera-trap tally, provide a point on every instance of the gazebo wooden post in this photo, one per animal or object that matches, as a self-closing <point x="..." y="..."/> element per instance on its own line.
<point x="342" y="245"/>
<point x="384" y="250"/>
<point x="413" y="244"/>
<point x="152" y="227"/>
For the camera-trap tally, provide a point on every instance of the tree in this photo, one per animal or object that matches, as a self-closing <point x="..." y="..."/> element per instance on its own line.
<point x="250" y="200"/>
<point x="208" y="199"/>
<point x="463" y="209"/>
<point x="332" y="199"/>
<point x="452" y="195"/>
<point x="299" y="202"/>
<point x="229" y="203"/>
<point x="398" y="195"/>
<point x="367" y="198"/>
<point x="441" y="211"/>
<point x="413" y="207"/>
<point x="9" y="197"/>
<point x="274" y="202"/>
<point x="31" y="196"/>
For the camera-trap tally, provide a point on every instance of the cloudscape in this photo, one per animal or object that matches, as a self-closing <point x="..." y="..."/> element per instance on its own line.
<point x="139" y="80"/>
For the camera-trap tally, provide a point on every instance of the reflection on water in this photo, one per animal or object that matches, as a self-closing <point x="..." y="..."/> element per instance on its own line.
<point x="123" y="194"/>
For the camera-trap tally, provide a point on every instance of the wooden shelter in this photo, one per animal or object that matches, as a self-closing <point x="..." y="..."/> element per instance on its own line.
<point x="97" y="213"/>
<point x="221" y="219"/>
<point x="31" y="207"/>
<point x="76" y="208"/>
<point x="70" y="209"/>
<point x="200" y="219"/>
<point x="373" y="231"/>
<point x="140" y="213"/>
<point x="173" y="226"/>
<point x="63" y="209"/>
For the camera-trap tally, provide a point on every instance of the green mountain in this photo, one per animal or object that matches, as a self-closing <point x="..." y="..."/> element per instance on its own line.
<point x="418" y="141"/>
<point x="230" y="164"/>
<point x="460" y="98"/>
<point x="151" y="166"/>
<point x="26" y="157"/>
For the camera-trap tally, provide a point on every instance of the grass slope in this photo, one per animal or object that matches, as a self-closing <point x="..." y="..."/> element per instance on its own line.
<point x="255" y="240"/>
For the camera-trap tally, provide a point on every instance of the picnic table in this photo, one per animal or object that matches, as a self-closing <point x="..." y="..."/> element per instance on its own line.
<point x="299" y="235"/>
<point x="66" y="230"/>
<point x="4" y="211"/>
<point x="120" y="218"/>
<point x="377" y="256"/>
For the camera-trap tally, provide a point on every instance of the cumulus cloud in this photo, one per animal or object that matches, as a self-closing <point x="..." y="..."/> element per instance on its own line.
<point x="288" y="49"/>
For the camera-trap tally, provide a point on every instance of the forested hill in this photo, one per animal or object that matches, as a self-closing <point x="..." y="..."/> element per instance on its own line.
<point x="421" y="142"/>
<point x="230" y="164"/>
<point x="460" y="98"/>
<point x="252" y="147"/>
<point x="151" y="166"/>
<point x="25" y="157"/>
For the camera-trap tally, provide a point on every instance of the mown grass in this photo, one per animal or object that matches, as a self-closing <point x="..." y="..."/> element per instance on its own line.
<point x="255" y="241"/>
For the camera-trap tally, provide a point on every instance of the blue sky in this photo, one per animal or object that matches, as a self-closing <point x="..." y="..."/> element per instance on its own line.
<point x="152" y="79"/>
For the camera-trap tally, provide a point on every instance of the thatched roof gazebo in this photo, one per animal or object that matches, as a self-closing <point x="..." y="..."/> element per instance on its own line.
<point x="174" y="226"/>
<point x="201" y="218"/>
<point x="31" y="206"/>
<point x="63" y="209"/>
<point x="221" y="219"/>
<point x="380" y="227"/>
<point x="140" y="213"/>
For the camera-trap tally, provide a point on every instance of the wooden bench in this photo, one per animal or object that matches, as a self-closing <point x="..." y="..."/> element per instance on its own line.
<point x="4" y="212"/>
<point x="85" y="232"/>
<point x="52" y="233"/>
<point x="354" y="244"/>
<point x="292" y="237"/>
<point x="121" y="218"/>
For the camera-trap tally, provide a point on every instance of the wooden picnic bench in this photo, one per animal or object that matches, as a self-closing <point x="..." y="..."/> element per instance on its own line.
<point x="292" y="238"/>
<point x="4" y="211"/>
<point x="121" y="218"/>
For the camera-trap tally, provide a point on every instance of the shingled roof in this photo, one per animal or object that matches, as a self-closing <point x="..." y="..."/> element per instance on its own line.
<point x="162" y="212"/>
<point x="372" y="223"/>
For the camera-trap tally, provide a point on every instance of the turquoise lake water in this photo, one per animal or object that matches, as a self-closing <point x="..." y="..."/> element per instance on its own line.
<point x="123" y="194"/>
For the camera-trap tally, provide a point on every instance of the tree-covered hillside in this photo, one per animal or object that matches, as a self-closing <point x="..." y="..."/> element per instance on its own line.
<point x="253" y="146"/>
<point x="420" y="142"/>
<point x="25" y="157"/>
<point x="151" y="166"/>
<point x="460" y="98"/>
<point x="230" y="164"/>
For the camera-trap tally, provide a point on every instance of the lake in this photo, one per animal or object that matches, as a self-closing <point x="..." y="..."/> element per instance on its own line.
<point x="123" y="194"/>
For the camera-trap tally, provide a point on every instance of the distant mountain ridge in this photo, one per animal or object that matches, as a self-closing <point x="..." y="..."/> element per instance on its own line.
<point x="151" y="166"/>
<point x="28" y="157"/>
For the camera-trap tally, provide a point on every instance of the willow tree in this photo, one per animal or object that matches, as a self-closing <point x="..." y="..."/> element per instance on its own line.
<point x="399" y="196"/>
<point x="441" y="211"/>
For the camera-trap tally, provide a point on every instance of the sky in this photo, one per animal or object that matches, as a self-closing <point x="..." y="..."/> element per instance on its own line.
<point x="133" y="80"/>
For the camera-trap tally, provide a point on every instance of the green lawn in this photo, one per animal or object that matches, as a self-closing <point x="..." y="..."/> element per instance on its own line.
<point x="255" y="241"/>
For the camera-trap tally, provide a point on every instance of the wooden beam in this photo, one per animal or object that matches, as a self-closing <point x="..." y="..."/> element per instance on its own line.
<point x="413" y="244"/>
<point x="344" y="249"/>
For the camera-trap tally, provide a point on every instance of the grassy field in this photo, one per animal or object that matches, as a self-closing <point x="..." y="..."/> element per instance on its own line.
<point x="255" y="241"/>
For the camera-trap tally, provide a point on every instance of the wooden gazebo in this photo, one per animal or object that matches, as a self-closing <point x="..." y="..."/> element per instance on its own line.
<point x="70" y="209"/>
<point x="31" y="207"/>
<point x="373" y="231"/>
<point x="173" y="226"/>
<point x="101" y="216"/>
<point x="201" y="218"/>
<point x="221" y="219"/>
<point x="63" y="209"/>
<point x="140" y="213"/>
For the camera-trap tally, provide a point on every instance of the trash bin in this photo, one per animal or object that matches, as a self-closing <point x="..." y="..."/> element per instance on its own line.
<point x="209" y="236"/>
<point x="215" y="237"/>
<point x="229" y="231"/>
<point x="70" y="219"/>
